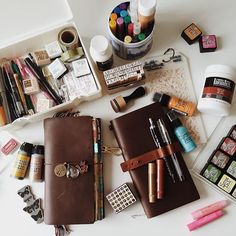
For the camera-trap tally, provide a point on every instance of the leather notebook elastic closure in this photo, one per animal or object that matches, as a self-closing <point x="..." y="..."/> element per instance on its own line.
<point x="147" y="157"/>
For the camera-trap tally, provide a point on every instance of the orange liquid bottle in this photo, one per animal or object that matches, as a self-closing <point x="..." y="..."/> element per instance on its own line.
<point x="174" y="103"/>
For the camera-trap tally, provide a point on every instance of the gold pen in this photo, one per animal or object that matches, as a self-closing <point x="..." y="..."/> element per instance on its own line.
<point x="152" y="183"/>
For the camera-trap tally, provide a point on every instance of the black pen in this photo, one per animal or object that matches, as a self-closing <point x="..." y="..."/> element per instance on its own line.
<point x="42" y="81"/>
<point x="155" y="133"/>
<point x="4" y="97"/>
<point x="167" y="140"/>
<point x="14" y="92"/>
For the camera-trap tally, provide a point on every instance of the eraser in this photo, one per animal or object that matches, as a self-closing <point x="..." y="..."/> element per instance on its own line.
<point x="30" y="86"/>
<point x="207" y="43"/>
<point x="9" y="146"/>
<point x="191" y="34"/>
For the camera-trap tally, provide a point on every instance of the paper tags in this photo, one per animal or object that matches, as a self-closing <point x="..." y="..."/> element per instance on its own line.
<point x="33" y="206"/>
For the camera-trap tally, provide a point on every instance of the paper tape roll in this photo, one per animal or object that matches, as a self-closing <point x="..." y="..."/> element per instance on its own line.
<point x="72" y="54"/>
<point x="68" y="38"/>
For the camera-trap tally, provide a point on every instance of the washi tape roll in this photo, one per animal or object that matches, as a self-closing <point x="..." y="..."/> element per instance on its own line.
<point x="68" y="38"/>
<point x="72" y="54"/>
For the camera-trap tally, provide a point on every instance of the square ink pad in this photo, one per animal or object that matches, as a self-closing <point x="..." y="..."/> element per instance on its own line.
<point x="207" y="43"/>
<point x="220" y="159"/>
<point x="212" y="173"/>
<point x="232" y="169"/>
<point x="226" y="183"/>
<point x="233" y="134"/>
<point x="228" y="146"/>
<point x="191" y="34"/>
<point x="234" y="193"/>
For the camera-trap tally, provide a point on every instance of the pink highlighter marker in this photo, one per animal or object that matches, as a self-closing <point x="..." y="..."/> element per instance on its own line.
<point x="209" y="209"/>
<point x="205" y="220"/>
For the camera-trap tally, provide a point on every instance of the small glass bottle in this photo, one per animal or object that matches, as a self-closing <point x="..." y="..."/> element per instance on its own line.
<point x="101" y="52"/>
<point x="22" y="161"/>
<point x="174" y="103"/>
<point x="37" y="164"/>
<point x="181" y="132"/>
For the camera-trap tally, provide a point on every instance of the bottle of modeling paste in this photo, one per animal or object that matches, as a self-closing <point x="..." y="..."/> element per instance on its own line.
<point x="101" y="52"/>
<point x="146" y="12"/>
<point x="181" y="132"/>
<point x="218" y="90"/>
<point x="180" y="106"/>
<point x="22" y="161"/>
<point x="37" y="164"/>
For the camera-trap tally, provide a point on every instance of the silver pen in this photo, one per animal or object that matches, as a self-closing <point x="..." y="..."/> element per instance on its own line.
<point x="167" y="139"/>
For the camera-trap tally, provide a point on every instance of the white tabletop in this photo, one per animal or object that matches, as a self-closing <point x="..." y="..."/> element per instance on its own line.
<point x="213" y="17"/>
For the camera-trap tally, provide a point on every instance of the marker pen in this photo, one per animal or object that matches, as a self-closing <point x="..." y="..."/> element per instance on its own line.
<point x="136" y="28"/>
<point x="130" y="29"/>
<point x="123" y="13"/>
<point x="113" y="16"/>
<point x="205" y="220"/>
<point x="112" y="25"/>
<point x="127" y="39"/>
<point x="141" y="36"/>
<point x="209" y="209"/>
<point x="120" y="28"/>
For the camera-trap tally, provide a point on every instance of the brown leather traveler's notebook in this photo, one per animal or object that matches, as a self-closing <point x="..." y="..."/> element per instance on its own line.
<point x="134" y="138"/>
<point x="69" y="200"/>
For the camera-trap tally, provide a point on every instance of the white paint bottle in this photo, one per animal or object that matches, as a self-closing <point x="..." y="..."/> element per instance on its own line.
<point x="101" y="52"/>
<point x="218" y="90"/>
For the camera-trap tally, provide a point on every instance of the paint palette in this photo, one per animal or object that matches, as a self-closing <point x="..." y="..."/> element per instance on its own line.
<point x="221" y="166"/>
<point x="121" y="198"/>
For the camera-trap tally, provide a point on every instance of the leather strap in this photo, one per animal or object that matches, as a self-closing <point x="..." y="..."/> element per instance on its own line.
<point x="147" y="157"/>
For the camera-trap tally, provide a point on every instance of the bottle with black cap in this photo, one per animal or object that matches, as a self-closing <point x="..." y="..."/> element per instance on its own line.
<point x="181" y="132"/>
<point x="22" y="161"/>
<point x="174" y="103"/>
<point x="37" y="164"/>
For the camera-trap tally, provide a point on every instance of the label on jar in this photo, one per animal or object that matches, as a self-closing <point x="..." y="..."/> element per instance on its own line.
<point x="106" y="65"/>
<point x="20" y="166"/>
<point x="219" y="88"/>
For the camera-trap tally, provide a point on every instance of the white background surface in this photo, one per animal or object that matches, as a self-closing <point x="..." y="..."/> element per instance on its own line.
<point x="20" y="19"/>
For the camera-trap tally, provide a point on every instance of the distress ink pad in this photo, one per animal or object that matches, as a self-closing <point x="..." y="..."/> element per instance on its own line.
<point x="220" y="159"/>
<point x="233" y="133"/>
<point x="191" y="34"/>
<point x="226" y="183"/>
<point x="232" y="169"/>
<point x="212" y="173"/>
<point x="228" y="146"/>
<point x="234" y="193"/>
<point x="207" y="43"/>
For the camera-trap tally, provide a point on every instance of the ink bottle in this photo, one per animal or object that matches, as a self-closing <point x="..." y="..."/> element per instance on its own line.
<point x="181" y="132"/>
<point x="146" y="12"/>
<point x="22" y="161"/>
<point x="174" y="103"/>
<point x="101" y="52"/>
<point x="218" y="91"/>
<point x="37" y="164"/>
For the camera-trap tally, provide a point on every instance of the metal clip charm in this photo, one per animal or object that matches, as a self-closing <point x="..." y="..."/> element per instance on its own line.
<point x="112" y="150"/>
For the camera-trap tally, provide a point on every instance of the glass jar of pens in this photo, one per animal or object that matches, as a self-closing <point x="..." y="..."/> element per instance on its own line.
<point x="131" y="26"/>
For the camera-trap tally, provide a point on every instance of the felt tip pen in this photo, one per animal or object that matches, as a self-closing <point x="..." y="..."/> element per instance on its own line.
<point x="3" y="119"/>
<point x="209" y="209"/>
<point x="154" y="132"/>
<point x="205" y="220"/>
<point x="4" y="97"/>
<point x="42" y="81"/>
<point x="167" y="140"/>
<point x="14" y="92"/>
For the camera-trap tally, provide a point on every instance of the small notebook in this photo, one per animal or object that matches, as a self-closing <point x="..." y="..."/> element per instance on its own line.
<point x="134" y="138"/>
<point x="73" y="142"/>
